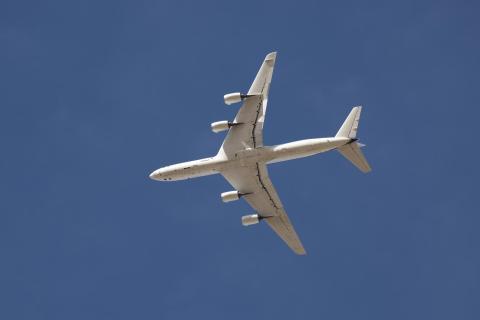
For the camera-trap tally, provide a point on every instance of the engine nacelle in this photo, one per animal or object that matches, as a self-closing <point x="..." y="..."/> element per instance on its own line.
<point x="230" y="196"/>
<point x="220" y="126"/>
<point x="251" y="219"/>
<point x="232" y="98"/>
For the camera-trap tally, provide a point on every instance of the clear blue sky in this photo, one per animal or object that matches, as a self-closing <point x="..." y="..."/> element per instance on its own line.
<point x="94" y="95"/>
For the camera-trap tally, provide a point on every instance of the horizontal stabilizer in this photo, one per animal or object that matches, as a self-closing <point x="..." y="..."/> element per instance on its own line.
<point x="351" y="150"/>
<point x="350" y="126"/>
<point x="353" y="153"/>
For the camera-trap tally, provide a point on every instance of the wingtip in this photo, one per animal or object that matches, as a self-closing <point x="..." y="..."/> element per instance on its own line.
<point x="300" y="251"/>
<point x="357" y="108"/>
<point x="271" y="56"/>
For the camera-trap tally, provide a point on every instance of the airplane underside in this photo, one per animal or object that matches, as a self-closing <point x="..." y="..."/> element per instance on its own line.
<point x="242" y="159"/>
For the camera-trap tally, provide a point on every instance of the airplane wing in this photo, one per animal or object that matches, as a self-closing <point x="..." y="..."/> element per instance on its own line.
<point x="259" y="192"/>
<point x="252" y="113"/>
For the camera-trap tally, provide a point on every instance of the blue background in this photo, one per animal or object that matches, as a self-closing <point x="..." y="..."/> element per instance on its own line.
<point x="94" y="95"/>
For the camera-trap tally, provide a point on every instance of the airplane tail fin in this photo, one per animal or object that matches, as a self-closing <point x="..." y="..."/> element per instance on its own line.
<point x="351" y="150"/>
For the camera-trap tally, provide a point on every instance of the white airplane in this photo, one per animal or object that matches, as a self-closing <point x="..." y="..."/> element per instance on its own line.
<point x="242" y="158"/>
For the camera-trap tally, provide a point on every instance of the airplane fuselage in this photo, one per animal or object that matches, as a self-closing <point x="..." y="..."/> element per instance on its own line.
<point x="247" y="157"/>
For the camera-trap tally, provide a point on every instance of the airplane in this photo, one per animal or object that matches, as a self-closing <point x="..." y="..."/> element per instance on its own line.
<point x="243" y="158"/>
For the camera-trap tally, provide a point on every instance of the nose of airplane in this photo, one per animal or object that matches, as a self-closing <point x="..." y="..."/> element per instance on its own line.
<point x="154" y="175"/>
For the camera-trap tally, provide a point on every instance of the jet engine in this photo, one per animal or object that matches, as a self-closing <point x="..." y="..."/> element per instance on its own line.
<point x="220" y="126"/>
<point x="231" y="196"/>
<point x="235" y="97"/>
<point x="250" y="219"/>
